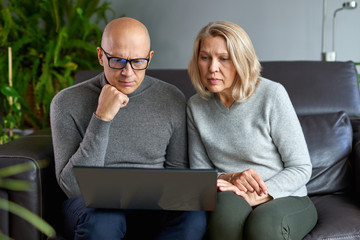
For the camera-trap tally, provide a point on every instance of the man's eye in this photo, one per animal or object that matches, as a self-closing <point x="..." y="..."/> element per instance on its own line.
<point x="119" y="60"/>
<point x="138" y="61"/>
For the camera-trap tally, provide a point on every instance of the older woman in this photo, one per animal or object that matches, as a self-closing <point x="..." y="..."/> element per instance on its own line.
<point x="245" y="126"/>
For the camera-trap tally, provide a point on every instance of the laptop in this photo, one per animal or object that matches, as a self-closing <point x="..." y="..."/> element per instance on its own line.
<point x="150" y="189"/>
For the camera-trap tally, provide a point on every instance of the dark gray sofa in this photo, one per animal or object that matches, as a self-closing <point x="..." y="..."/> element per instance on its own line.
<point x="327" y="100"/>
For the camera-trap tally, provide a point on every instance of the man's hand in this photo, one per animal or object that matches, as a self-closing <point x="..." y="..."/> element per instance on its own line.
<point x="109" y="103"/>
<point x="252" y="198"/>
<point x="247" y="180"/>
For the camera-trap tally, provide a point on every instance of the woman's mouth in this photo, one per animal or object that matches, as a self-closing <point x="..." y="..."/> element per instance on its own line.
<point x="214" y="81"/>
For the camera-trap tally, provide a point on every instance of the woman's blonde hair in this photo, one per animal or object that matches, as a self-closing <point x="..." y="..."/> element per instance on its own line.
<point x="242" y="54"/>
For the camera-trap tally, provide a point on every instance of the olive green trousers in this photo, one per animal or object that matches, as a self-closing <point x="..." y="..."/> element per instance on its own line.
<point x="282" y="218"/>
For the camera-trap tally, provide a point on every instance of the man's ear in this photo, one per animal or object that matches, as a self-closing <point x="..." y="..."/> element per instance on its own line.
<point x="151" y="54"/>
<point x="100" y="56"/>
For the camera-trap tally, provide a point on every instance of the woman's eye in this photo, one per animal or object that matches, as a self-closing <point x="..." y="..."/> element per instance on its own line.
<point x="224" y="59"/>
<point x="204" y="57"/>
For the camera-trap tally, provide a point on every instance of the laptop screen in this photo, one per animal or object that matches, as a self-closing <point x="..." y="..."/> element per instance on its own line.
<point x="151" y="189"/>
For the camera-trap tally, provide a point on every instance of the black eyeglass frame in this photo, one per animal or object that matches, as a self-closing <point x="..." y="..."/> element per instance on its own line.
<point x="126" y="61"/>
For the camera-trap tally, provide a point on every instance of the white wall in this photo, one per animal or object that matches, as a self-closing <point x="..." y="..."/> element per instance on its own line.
<point x="279" y="29"/>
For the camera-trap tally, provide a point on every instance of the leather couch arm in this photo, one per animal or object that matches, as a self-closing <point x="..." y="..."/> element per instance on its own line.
<point x="31" y="149"/>
<point x="356" y="156"/>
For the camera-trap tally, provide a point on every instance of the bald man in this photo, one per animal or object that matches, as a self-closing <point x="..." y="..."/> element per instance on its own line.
<point x="121" y="118"/>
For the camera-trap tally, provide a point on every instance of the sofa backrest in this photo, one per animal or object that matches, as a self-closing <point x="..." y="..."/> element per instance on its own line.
<point x="315" y="87"/>
<point x="177" y="77"/>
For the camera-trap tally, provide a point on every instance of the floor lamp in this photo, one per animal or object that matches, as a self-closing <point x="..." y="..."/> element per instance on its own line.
<point x="346" y="5"/>
<point x="331" y="56"/>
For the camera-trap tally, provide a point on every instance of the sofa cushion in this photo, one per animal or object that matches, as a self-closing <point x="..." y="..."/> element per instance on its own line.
<point x="329" y="140"/>
<point x="338" y="218"/>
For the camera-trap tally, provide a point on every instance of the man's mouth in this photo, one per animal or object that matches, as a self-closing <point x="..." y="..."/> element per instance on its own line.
<point x="127" y="83"/>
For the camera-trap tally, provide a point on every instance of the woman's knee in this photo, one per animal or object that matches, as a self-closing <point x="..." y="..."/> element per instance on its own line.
<point x="228" y="220"/>
<point x="263" y="227"/>
<point x="286" y="218"/>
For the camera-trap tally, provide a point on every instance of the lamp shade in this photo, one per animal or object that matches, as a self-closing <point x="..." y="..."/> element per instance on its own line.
<point x="350" y="5"/>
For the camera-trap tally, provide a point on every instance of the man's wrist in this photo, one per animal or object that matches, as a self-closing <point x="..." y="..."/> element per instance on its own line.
<point x="102" y="118"/>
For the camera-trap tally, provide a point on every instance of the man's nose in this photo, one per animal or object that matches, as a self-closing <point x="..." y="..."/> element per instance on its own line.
<point x="127" y="70"/>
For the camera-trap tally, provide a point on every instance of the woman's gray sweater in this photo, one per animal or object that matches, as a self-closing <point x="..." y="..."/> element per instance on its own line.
<point x="263" y="133"/>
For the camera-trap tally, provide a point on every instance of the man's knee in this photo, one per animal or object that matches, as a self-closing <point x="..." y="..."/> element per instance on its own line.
<point x="101" y="225"/>
<point x="194" y="220"/>
<point x="199" y="219"/>
<point x="193" y="224"/>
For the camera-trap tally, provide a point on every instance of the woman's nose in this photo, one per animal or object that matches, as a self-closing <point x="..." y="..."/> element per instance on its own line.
<point x="214" y="66"/>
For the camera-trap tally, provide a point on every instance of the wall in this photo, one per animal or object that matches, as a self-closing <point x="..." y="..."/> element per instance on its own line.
<point x="279" y="29"/>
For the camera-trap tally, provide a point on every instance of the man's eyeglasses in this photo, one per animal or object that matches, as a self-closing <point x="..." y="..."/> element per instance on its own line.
<point x="120" y="63"/>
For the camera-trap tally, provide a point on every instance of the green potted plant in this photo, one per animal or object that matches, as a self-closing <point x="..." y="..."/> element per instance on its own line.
<point x="14" y="114"/>
<point x="50" y="41"/>
<point x="358" y="64"/>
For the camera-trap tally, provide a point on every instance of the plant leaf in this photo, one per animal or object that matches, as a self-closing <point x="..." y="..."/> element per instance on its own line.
<point x="27" y="215"/>
<point x="15" y="185"/>
<point x="4" y="237"/>
<point x="9" y="121"/>
<point x="22" y="167"/>
<point x="9" y="91"/>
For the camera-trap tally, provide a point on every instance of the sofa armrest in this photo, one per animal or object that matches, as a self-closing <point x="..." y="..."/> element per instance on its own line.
<point x="356" y="156"/>
<point x="44" y="198"/>
<point x="356" y="164"/>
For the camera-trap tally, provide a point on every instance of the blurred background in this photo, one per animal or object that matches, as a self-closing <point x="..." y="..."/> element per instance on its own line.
<point x="44" y="43"/>
<point x="279" y="29"/>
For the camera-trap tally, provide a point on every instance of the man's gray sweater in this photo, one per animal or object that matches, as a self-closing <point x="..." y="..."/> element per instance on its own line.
<point x="150" y="132"/>
<point x="263" y="133"/>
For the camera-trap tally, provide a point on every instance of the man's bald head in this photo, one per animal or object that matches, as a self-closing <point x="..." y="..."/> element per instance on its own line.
<point x="124" y="27"/>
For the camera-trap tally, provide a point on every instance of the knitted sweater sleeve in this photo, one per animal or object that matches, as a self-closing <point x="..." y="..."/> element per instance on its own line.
<point x="289" y="139"/>
<point x="71" y="147"/>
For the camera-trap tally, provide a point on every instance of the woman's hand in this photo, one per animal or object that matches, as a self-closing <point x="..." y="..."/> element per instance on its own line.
<point x="252" y="198"/>
<point x="247" y="181"/>
<point x="224" y="186"/>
